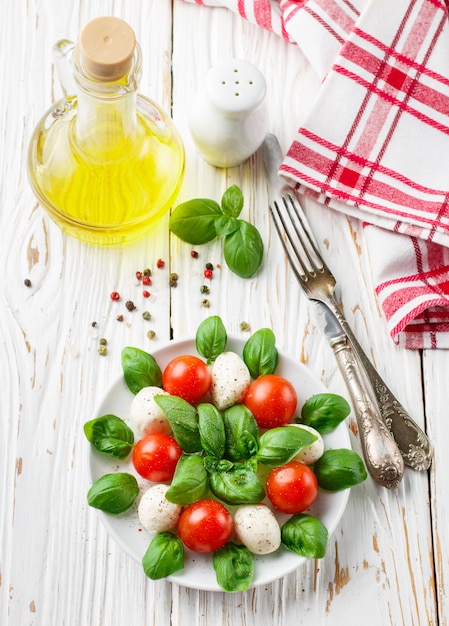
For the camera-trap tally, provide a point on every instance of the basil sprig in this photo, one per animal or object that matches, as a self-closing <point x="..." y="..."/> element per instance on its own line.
<point x="234" y="567"/>
<point x="113" y="493"/>
<point x="305" y="535"/>
<point x="242" y="433"/>
<point x="260" y="353"/>
<point x="190" y="481"/>
<point x="339" y="469"/>
<point x="201" y="220"/>
<point x="324" y="412"/>
<point x="239" y="485"/>
<point x="110" y="435"/>
<point x="164" y="556"/>
<point x="140" y="369"/>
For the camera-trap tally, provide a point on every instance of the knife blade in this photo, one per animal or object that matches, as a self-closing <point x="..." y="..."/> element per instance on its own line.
<point x="381" y="453"/>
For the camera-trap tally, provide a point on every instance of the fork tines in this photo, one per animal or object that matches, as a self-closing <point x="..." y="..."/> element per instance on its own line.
<point x="295" y="235"/>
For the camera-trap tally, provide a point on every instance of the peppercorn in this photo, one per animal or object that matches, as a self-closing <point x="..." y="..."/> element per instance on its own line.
<point x="139" y="275"/>
<point x="151" y="334"/>
<point x="103" y="341"/>
<point x="146" y="294"/>
<point x="120" y="318"/>
<point x="102" y="350"/>
<point x="205" y="303"/>
<point x="147" y="272"/>
<point x="245" y="326"/>
<point x="204" y="289"/>
<point x="130" y="305"/>
<point x="208" y="273"/>
<point x="94" y="324"/>
<point x="146" y="315"/>
<point x="160" y="263"/>
<point x="115" y="295"/>
<point x="209" y="266"/>
<point x="173" y="279"/>
<point x="146" y="280"/>
<point x="27" y="282"/>
<point x="194" y="254"/>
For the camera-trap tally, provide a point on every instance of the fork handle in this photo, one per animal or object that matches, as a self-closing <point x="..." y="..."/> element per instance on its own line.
<point x="382" y="455"/>
<point x="410" y="438"/>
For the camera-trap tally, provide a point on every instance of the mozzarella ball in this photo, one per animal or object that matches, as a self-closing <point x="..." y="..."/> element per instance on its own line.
<point x="156" y="513"/>
<point x="230" y="380"/>
<point x="146" y="415"/>
<point x="312" y="453"/>
<point x="257" y="528"/>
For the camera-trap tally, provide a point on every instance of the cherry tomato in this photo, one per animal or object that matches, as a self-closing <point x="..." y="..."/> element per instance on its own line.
<point x="205" y="526"/>
<point x="187" y="377"/>
<point x="292" y="487"/>
<point x="272" y="400"/>
<point x="155" y="457"/>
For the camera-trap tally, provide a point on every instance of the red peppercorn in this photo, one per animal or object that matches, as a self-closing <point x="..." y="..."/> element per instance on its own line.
<point x="146" y="280"/>
<point x="139" y="275"/>
<point x="194" y="254"/>
<point x="160" y="263"/>
<point x="115" y="295"/>
<point x="208" y="273"/>
<point x="146" y="294"/>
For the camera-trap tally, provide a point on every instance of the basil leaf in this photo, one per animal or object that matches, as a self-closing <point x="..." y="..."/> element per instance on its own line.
<point x="234" y="567"/>
<point x="194" y="221"/>
<point x="243" y="250"/>
<point x="260" y="353"/>
<point x="183" y="420"/>
<point x="190" y="481"/>
<point x="324" y="412"/>
<point x="305" y="535"/>
<point x="212" y="464"/>
<point x="238" y="486"/>
<point x="211" y="338"/>
<point x="164" y="556"/>
<point x="211" y="427"/>
<point x="279" y="445"/>
<point x="232" y="201"/>
<point x="113" y="493"/>
<point x="140" y="369"/>
<point x="241" y="432"/>
<point x="110" y="435"/>
<point x="339" y="469"/>
<point x="225" y="225"/>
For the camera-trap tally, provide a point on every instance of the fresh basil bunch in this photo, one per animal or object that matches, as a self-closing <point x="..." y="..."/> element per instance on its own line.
<point x="201" y="220"/>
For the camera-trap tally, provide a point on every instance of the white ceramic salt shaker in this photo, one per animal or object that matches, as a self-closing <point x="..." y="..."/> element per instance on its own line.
<point x="228" y="118"/>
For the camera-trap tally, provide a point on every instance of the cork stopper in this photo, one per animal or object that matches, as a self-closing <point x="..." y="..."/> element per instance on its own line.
<point x="107" y="47"/>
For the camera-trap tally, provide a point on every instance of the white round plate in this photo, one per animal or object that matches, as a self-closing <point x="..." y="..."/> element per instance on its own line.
<point x="198" y="572"/>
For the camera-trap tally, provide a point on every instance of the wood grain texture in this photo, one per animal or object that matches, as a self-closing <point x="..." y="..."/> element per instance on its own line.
<point x="386" y="563"/>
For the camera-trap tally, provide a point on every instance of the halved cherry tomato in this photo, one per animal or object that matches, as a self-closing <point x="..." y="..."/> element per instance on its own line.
<point x="155" y="457"/>
<point x="292" y="487"/>
<point x="205" y="526"/>
<point x="187" y="377"/>
<point x="272" y="400"/>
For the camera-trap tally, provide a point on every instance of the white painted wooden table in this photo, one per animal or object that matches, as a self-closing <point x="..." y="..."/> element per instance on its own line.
<point x="387" y="561"/>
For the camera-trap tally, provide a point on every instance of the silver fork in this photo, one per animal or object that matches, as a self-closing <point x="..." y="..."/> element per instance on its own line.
<point x="319" y="284"/>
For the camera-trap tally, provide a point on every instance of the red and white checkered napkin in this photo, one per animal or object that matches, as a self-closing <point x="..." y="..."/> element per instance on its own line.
<point x="376" y="144"/>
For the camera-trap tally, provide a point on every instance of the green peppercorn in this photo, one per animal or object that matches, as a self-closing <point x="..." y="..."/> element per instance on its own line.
<point x="103" y="341"/>
<point x="151" y="334"/>
<point x="146" y="315"/>
<point x="205" y="303"/>
<point x="102" y="350"/>
<point x="204" y="289"/>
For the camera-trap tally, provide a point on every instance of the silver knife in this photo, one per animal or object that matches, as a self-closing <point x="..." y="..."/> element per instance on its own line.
<point x="382" y="456"/>
<point x="413" y="443"/>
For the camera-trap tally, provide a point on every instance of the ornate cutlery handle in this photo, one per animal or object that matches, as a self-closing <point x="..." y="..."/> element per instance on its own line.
<point x="413" y="443"/>
<point x="382" y="456"/>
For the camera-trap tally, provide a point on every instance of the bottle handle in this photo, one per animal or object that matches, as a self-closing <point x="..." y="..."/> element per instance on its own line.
<point x="62" y="54"/>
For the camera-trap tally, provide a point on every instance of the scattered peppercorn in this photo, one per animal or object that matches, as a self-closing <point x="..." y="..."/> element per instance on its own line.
<point x="102" y="350"/>
<point x="146" y="280"/>
<point x="194" y="254"/>
<point x="160" y="263"/>
<point x="205" y="303"/>
<point x="204" y="289"/>
<point x="139" y="275"/>
<point x="94" y="324"/>
<point x="103" y="341"/>
<point x="120" y="318"/>
<point x="115" y="296"/>
<point x="146" y="294"/>
<point x="146" y="315"/>
<point x="130" y="305"/>
<point x="27" y="282"/>
<point x="147" y="272"/>
<point x="173" y="279"/>
<point x="245" y="326"/>
<point x="209" y="266"/>
<point x="208" y="273"/>
<point x="151" y="334"/>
